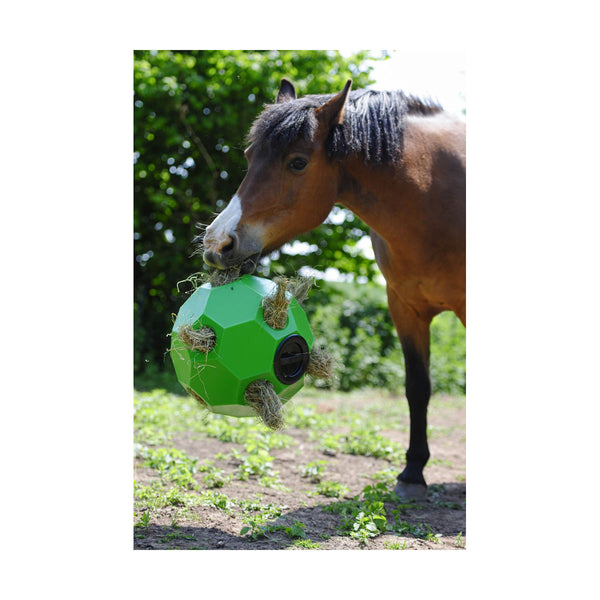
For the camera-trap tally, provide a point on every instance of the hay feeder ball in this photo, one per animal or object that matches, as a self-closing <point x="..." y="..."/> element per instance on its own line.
<point x="243" y="348"/>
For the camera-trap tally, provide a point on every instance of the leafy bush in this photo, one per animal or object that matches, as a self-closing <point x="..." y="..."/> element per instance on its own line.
<point x="352" y="322"/>
<point x="192" y="109"/>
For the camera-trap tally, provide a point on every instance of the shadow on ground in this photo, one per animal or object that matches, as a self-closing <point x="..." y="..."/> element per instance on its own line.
<point x="443" y="511"/>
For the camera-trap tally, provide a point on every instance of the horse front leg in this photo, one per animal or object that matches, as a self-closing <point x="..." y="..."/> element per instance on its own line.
<point x="413" y="331"/>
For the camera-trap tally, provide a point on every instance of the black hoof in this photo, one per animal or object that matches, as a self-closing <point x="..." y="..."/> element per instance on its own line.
<point x="410" y="491"/>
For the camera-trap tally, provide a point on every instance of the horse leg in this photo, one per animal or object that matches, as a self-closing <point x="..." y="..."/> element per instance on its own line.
<point x="413" y="330"/>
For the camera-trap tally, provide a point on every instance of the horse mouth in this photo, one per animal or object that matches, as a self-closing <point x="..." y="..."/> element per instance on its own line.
<point x="246" y="266"/>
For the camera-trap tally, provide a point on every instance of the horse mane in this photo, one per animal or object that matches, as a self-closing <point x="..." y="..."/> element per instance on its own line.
<point x="373" y="124"/>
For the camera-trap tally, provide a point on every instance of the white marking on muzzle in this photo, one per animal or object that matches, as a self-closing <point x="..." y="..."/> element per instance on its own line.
<point x="217" y="233"/>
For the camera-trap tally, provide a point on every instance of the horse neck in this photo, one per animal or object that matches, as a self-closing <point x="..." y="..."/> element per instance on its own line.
<point x="372" y="193"/>
<point x="418" y="194"/>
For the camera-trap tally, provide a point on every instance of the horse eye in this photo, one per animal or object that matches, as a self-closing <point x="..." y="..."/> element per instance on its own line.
<point x="298" y="164"/>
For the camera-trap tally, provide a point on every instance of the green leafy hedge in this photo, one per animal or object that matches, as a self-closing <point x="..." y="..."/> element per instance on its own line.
<point x="191" y="112"/>
<point x="353" y="323"/>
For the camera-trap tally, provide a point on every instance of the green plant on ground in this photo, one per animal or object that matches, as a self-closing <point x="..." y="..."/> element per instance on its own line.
<point x="256" y="464"/>
<point x="361" y="517"/>
<point x="369" y="523"/>
<point x="157" y="415"/>
<point x="214" y="477"/>
<point x="206" y="466"/>
<point x="380" y="492"/>
<point x="365" y="516"/>
<point x="433" y="537"/>
<point x="295" y="531"/>
<point x="395" y="545"/>
<point x="175" y="535"/>
<point x="255" y="526"/>
<point x="365" y="441"/>
<point x="267" y="511"/>
<point x="159" y="495"/>
<point x="386" y="476"/>
<point x="314" y="470"/>
<point x="303" y="416"/>
<point x="216" y="500"/>
<point x="173" y="465"/>
<point x="273" y="482"/>
<point x="331" y="489"/>
<point x="144" y="520"/>
<point x="403" y="527"/>
<point x="330" y="443"/>
<point x="307" y="544"/>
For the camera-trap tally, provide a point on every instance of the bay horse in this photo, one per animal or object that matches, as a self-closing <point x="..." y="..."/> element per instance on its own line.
<point x="397" y="162"/>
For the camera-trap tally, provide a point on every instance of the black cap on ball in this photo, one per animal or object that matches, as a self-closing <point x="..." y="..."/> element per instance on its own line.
<point x="291" y="359"/>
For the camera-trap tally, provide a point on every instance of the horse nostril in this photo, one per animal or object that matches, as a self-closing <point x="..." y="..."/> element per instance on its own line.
<point x="230" y="247"/>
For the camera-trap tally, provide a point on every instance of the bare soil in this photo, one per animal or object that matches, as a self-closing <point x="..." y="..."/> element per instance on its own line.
<point x="204" y="527"/>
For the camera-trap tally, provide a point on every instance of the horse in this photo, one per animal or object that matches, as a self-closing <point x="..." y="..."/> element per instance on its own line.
<point x="396" y="161"/>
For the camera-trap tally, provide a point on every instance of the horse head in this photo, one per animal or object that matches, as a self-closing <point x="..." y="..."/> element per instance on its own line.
<point x="290" y="186"/>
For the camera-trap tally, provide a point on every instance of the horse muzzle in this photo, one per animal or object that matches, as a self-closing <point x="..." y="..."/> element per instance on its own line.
<point x="233" y="254"/>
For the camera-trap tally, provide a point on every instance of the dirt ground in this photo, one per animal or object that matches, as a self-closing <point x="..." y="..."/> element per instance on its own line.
<point x="206" y="527"/>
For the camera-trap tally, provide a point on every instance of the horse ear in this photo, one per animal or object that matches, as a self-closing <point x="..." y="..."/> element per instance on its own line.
<point x="287" y="91"/>
<point x="332" y="112"/>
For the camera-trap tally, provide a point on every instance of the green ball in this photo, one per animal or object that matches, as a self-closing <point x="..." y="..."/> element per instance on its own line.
<point x="246" y="348"/>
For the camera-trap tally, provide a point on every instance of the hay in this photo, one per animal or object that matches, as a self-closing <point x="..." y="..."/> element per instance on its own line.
<point x="299" y="287"/>
<point x="219" y="277"/>
<point x="203" y="339"/>
<point x="320" y="365"/>
<point x="275" y="306"/>
<point x="194" y="281"/>
<point x="216" y="278"/>
<point x="261" y="396"/>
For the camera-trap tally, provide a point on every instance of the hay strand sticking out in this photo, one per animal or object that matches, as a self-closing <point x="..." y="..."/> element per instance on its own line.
<point x="203" y="339"/>
<point x="320" y="365"/>
<point x="275" y="306"/>
<point x="299" y="287"/>
<point x="192" y="283"/>
<point x="261" y="396"/>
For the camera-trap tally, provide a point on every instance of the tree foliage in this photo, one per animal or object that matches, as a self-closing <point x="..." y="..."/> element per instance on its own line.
<point x="192" y="110"/>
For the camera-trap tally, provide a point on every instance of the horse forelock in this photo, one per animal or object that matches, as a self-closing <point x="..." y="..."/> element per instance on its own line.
<point x="281" y="125"/>
<point x="373" y="124"/>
